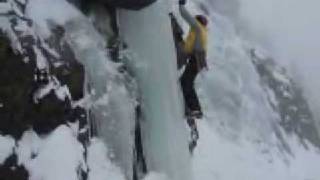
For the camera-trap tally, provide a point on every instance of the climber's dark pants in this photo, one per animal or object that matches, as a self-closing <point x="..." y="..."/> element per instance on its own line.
<point x="187" y="84"/>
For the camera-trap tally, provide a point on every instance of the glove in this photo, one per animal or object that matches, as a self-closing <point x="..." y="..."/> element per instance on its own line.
<point x="182" y="2"/>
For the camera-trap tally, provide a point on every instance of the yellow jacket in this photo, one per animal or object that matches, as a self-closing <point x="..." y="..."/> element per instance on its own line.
<point x="196" y="41"/>
<point x="191" y="41"/>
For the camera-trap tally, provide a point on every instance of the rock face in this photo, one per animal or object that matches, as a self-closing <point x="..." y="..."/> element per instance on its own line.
<point x="21" y="82"/>
<point x="39" y="81"/>
<point x="16" y="86"/>
<point x="286" y="98"/>
<point x="42" y="82"/>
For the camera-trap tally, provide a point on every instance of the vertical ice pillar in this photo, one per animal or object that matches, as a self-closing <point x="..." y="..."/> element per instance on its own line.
<point x="148" y="35"/>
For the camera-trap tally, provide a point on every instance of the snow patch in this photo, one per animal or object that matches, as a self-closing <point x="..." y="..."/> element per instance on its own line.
<point x="22" y="26"/>
<point x="75" y="127"/>
<point x="59" y="156"/>
<point x="260" y="53"/>
<point x="272" y="97"/>
<point x="62" y="92"/>
<point x="43" y="12"/>
<point x="4" y="8"/>
<point x="100" y="166"/>
<point x="7" y="144"/>
<point x="40" y="59"/>
<point x="28" y="147"/>
<point x="281" y="77"/>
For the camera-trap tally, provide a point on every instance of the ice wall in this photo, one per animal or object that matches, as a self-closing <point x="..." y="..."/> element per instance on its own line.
<point x="148" y="35"/>
<point x="112" y="108"/>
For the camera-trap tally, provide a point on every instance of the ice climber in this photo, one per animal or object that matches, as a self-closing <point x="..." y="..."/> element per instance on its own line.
<point x="191" y="52"/>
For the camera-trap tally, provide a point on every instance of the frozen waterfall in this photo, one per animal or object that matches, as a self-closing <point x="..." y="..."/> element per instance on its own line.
<point x="154" y="63"/>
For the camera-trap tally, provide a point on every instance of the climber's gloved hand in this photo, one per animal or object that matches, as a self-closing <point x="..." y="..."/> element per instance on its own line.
<point x="182" y="2"/>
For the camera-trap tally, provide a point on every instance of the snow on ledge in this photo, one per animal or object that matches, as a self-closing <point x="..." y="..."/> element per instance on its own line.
<point x="100" y="166"/>
<point x="6" y="147"/>
<point x="59" y="156"/>
<point x="62" y="92"/>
